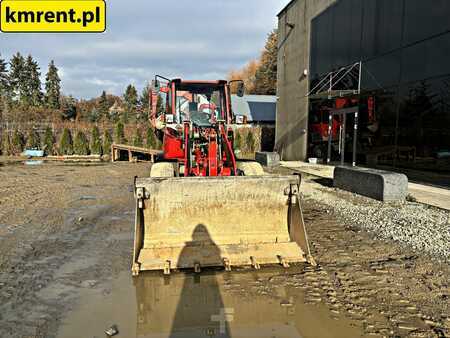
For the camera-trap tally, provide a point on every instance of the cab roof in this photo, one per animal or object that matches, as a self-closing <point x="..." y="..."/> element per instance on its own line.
<point x="206" y="82"/>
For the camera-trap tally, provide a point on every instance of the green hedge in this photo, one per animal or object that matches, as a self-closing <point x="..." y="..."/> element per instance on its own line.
<point x="66" y="144"/>
<point x="49" y="140"/>
<point x="107" y="142"/>
<point x="96" y="142"/>
<point x="81" y="144"/>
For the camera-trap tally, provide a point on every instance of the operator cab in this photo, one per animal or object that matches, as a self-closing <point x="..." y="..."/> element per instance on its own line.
<point x="202" y="103"/>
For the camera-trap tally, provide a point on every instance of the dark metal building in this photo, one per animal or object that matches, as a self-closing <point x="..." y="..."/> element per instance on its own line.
<point x="388" y="58"/>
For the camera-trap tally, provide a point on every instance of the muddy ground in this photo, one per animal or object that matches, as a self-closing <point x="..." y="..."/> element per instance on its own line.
<point x="65" y="254"/>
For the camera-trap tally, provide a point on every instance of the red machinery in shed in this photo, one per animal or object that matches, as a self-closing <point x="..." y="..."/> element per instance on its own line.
<point x="320" y="123"/>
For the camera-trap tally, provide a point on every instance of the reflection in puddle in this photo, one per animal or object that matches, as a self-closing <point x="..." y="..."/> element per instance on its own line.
<point x="236" y="304"/>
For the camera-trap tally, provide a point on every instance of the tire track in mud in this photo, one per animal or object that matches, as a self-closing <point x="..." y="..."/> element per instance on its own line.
<point x="43" y="276"/>
<point x="25" y="190"/>
<point x="375" y="283"/>
<point x="68" y="238"/>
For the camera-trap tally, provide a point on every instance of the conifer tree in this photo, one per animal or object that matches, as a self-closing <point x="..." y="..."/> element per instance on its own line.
<point x="142" y="110"/>
<point x="16" y="77"/>
<point x="33" y="94"/>
<point x="81" y="144"/>
<point x="52" y="87"/>
<point x="49" y="140"/>
<point x="159" y="106"/>
<point x="151" y="141"/>
<point x="66" y="144"/>
<point x="131" y="100"/>
<point x="4" y="87"/>
<point x="107" y="142"/>
<point x="103" y="106"/>
<point x="137" y="139"/>
<point x="96" y="143"/>
<point x="94" y="115"/>
<point x="131" y="97"/>
<point x="260" y="76"/>
<point x="145" y="98"/>
<point x="266" y="75"/>
<point x="68" y="107"/>
<point x="120" y="133"/>
<point x="33" y="139"/>
<point x="125" y="116"/>
<point x="6" y="144"/>
<point x="18" y="142"/>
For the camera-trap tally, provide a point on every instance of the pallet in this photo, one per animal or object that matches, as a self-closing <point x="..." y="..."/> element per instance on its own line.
<point x="117" y="148"/>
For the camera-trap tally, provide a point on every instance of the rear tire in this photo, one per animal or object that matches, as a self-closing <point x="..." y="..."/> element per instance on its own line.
<point x="251" y="168"/>
<point x="162" y="169"/>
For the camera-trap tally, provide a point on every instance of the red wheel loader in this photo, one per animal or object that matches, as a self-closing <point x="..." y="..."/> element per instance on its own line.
<point x="201" y="207"/>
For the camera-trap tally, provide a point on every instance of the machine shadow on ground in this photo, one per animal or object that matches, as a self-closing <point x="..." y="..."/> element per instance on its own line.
<point x="194" y="294"/>
<point x="194" y="299"/>
<point x="326" y="182"/>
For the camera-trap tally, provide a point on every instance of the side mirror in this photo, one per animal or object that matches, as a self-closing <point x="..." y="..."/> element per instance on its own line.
<point x="169" y="118"/>
<point x="240" y="119"/>
<point x="156" y="85"/>
<point x="240" y="89"/>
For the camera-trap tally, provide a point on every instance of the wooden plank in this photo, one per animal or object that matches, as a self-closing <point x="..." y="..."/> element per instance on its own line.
<point x="116" y="148"/>
<point x="135" y="149"/>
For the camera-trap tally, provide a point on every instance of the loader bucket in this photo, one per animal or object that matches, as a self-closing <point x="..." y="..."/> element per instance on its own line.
<point x="195" y="222"/>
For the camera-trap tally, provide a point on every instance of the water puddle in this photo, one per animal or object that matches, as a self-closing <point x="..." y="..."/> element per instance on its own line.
<point x="212" y="304"/>
<point x="87" y="198"/>
<point x="33" y="162"/>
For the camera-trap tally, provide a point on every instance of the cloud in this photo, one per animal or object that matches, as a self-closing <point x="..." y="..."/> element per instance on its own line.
<point x="185" y="38"/>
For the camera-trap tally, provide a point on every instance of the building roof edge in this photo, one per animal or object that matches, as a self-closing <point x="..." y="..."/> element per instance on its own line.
<point x="285" y="8"/>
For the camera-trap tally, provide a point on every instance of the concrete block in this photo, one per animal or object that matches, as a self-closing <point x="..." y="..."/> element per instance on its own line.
<point x="378" y="184"/>
<point x="267" y="159"/>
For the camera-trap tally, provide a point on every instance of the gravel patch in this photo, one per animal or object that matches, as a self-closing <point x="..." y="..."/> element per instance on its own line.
<point x="420" y="227"/>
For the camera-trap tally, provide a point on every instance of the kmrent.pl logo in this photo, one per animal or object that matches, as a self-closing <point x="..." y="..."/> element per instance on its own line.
<point x="85" y="16"/>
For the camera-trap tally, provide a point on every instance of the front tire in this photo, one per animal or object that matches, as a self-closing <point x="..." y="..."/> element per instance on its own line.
<point x="250" y="168"/>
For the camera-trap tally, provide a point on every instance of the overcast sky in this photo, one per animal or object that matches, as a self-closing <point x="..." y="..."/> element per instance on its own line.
<point x="196" y="39"/>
